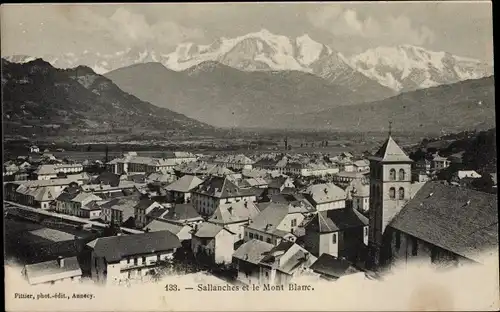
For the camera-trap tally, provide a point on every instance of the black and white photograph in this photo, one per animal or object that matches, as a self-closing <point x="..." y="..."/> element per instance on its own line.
<point x="279" y="156"/>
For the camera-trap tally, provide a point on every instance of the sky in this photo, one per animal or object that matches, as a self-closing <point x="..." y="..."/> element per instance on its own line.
<point x="462" y="28"/>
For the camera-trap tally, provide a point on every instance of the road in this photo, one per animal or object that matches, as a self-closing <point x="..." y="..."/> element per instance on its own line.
<point x="65" y="217"/>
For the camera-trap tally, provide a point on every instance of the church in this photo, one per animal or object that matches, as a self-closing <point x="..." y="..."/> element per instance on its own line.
<point x="428" y="221"/>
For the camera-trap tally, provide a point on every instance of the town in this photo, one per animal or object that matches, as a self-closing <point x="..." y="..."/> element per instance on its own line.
<point x="265" y="218"/>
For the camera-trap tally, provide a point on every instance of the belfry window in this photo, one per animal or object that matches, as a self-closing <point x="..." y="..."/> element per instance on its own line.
<point x="392" y="193"/>
<point x="392" y="174"/>
<point x="401" y="193"/>
<point x="402" y="175"/>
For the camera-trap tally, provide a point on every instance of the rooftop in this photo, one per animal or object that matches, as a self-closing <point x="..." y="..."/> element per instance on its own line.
<point x="115" y="248"/>
<point x="460" y="220"/>
<point x="44" y="271"/>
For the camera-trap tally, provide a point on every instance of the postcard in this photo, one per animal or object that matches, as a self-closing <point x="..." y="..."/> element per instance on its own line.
<point x="258" y="156"/>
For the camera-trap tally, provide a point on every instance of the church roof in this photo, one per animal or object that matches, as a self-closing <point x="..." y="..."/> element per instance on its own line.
<point x="390" y="151"/>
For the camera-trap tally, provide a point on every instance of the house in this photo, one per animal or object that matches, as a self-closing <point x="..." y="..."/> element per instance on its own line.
<point x="293" y="199"/>
<point x="81" y="200"/>
<point x="131" y="162"/>
<point x="439" y="162"/>
<point x="119" y="258"/>
<point x="38" y="197"/>
<point x="53" y="272"/>
<point x="325" y="196"/>
<point x="275" y="223"/>
<point x="46" y="172"/>
<point x="141" y="209"/>
<point x="212" y="243"/>
<point x="278" y="184"/>
<point x="161" y="179"/>
<point x="234" y="216"/>
<point x="422" y="165"/>
<point x="181" y="214"/>
<point x="180" y="191"/>
<point x="443" y="223"/>
<point x="338" y="232"/>
<point x="254" y="182"/>
<point x="91" y="210"/>
<point x="10" y="169"/>
<point x="183" y="232"/>
<point x="344" y="178"/>
<point x="360" y="196"/>
<point x="119" y="210"/>
<point x="34" y="149"/>
<point x="258" y="262"/>
<point x="237" y="162"/>
<point x="332" y="268"/>
<point x="461" y="174"/>
<point x="361" y="165"/>
<point x="214" y="191"/>
<point x="420" y="176"/>
<point x="345" y="165"/>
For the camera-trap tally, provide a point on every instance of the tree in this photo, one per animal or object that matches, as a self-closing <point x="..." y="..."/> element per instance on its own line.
<point x="112" y="230"/>
<point x="483" y="184"/>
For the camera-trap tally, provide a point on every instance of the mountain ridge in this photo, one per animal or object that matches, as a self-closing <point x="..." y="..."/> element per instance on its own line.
<point x="386" y="70"/>
<point x="35" y="94"/>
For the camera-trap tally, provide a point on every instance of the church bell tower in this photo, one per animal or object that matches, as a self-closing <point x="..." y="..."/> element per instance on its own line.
<point x="390" y="185"/>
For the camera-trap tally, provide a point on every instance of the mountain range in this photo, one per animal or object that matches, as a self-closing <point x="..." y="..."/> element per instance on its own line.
<point x="465" y="105"/>
<point x="37" y="95"/>
<point x="223" y="96"/>
<point x="381" y="72"/>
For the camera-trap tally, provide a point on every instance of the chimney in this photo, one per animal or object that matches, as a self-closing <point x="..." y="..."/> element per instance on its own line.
<point x="60" y="260"/>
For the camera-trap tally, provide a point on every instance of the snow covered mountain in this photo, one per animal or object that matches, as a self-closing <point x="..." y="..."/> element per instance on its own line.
<point x="406" y="68"/>
<point x="382" y="71"/>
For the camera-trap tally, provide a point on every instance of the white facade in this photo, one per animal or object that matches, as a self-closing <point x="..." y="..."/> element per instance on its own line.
<point x="132" y="267"/>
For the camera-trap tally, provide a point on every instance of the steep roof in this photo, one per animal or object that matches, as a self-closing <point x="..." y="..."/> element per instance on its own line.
<point x="391" y="151"/>
<point x="253" y="251"/>
<point x="460" y="220"/>
<point x="222" y="188"/>
<point x="209" y="230"/>
<point x="156" y="226"/>
<point x="70" y="268"/>
<point x="325" y="193"/>
<point x="234" y="212"/>
<point x="184" y="184"/>
<point x="332" y="266"/>
<point x="336" y="220"/>
<point x="114" y="248"/>
<point x="270" y="218"/>
<point x="181" y="212"/>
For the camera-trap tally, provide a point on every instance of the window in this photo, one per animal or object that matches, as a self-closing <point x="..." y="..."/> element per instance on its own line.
<point x="414" y="247"/>
<point x="392" y="174"/>
<point x="334" y="238"/>
<point x="158" y="258"/>
<point x="366" y="231"/>
<point x="402" y="175"/>
<point x="239" y="236"/>
<point x="294" y="222"/>
<point x="128" y="260"/>
<point x="401" y="193"/>
<point x="261" y="238"/>
<point x="250" y="235"/>
<point x="398" y="240"/>
<point x="392" y="193"/>
<point x="268" y="240"/>
<point x="135" y="261"/>
<point x="143" y="260"/>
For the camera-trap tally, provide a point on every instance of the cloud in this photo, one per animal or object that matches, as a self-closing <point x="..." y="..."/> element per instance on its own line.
<point x="129" y="29"/>
<point x="391" y="30"/>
